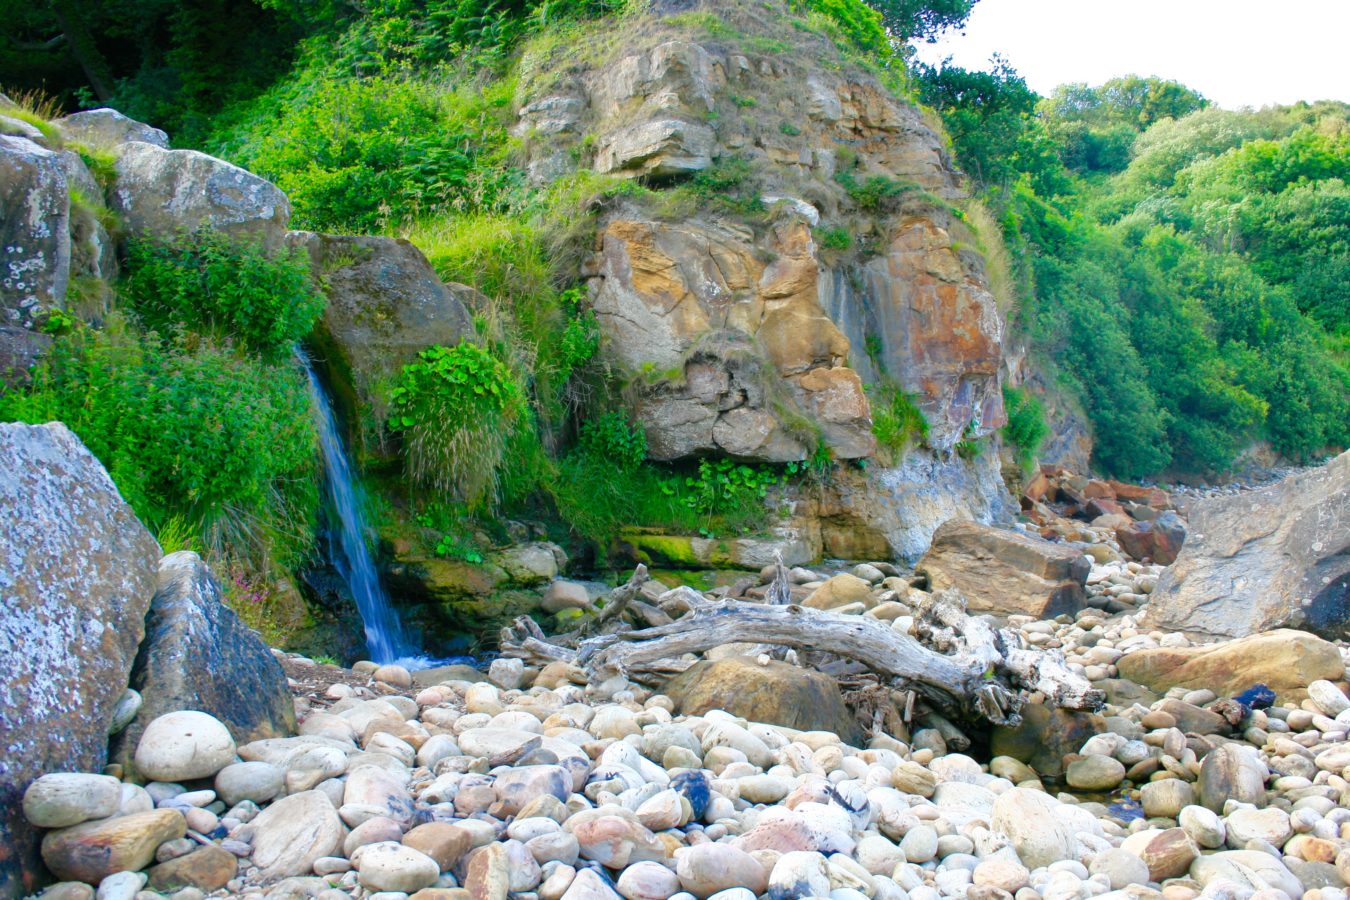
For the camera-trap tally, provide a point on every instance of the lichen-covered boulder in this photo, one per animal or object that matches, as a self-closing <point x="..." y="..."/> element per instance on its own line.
<point x="34" y="232"/>
<point x="160" y="193"/>
<point x="106" y="128"/>
<point x="197" y="655"/>
<point x="77" y="571"/>
<point x="1270" y="558"/>
<point x="1004" y="571"/>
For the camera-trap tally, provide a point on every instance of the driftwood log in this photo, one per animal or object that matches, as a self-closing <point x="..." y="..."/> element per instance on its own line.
<point x="962" y="665"/>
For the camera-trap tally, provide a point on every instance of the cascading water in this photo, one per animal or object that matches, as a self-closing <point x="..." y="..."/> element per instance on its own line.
<point x="351" y="557"/>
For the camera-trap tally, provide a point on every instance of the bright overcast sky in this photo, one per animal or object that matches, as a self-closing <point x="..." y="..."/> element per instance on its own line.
<point x="1235" y="52"/>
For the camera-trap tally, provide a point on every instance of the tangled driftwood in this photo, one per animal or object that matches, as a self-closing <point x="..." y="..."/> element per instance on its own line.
<point x="962" y="665"/>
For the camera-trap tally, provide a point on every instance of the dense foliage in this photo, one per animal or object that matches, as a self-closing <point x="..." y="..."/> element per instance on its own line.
<point x="232" y="290"/>
<point x="212" y="443"/>
<point x="1195" y="299"/>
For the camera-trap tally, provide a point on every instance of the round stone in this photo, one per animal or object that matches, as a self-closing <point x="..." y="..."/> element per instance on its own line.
<point x="255" y="781"/>
<point x="1166" y="798"/>
<point x="183" y="745"/>
<point x="1121" y="867"/>
<point x="1095" y="773"/>
<point x="69" y="798"/>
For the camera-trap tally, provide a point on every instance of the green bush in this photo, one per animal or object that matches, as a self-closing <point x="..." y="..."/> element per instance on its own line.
<point x="456" y="408"/>
<point x="203" y="443"/>
<point x="897" y="422"/>
<point x="838" y="238"/>
<point x="207" y="283"/>
<point x="1026" y="429"/>
<point x="361" y="154"/>
<point x="612" y="437"/>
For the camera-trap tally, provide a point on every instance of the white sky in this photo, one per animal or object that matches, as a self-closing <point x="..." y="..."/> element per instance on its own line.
<point x="1235" y="52"/>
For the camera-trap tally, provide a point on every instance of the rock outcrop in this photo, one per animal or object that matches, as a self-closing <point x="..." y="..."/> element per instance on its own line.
<point x="385" y="305"/>
<point x="160" y="193"/>
<point x="108" y="128"/>
<point x="77" y="571"/>
<point x="198" y="655"/>
<point x="34" y="232"/>
<point x="740" y="331"/>
<point x="1004" y="571"/>
<point x="1274" y="557"/>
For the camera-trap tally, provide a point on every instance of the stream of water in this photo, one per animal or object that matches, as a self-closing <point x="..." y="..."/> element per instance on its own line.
<point x="384" y="632"/>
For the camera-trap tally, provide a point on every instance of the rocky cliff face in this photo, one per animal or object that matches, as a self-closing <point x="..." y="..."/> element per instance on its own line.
<point x="755" y="330"/>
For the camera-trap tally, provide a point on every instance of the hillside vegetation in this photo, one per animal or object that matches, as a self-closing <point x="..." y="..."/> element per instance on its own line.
<point x="1181" y="271"/>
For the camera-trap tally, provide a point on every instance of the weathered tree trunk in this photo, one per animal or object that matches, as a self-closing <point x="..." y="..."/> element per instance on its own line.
<point x="960" y="664"/>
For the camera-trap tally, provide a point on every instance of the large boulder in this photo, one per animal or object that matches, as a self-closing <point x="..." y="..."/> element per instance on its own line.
<point x="77" y="571"/>
<point x="1159" y="540"/>
<point x="385" y="305"/>
<point x="160" y="193"/>
<point x="106" y="128"/>
<point x="775" y="693"/>
<point x="198" y="655"/>
<point x="1004" y="571"/>
<point x="1269" y="558"/>
<point x="34" y="232"/>
<point x="1287" y="661"/>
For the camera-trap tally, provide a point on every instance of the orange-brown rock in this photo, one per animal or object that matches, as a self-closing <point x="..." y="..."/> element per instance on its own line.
<point x="1005" y="571"/>
<point x="1285" y="660"/>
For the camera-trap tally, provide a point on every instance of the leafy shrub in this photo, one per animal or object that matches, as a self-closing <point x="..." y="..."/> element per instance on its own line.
<point x="838" y="238"/>
<point x="203" y="443"/>
<point x="231" y="290"/>
<point x="1026" y="429"/>
<point x="612" y="437"/>
<point x="858" y="23"/>
<point x="897" y="422"/>
<point x="725" y="488"/>
<point x="359" y="154"/>
<point x="455" y="407"/>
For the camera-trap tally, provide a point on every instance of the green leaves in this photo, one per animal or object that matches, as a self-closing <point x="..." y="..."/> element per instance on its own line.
<point x="230" y="290"/>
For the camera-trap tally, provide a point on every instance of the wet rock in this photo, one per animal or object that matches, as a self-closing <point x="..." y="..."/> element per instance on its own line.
<point x="1045" y="736"/>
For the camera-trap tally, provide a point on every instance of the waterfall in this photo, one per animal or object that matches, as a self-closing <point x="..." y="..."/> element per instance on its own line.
<point x="351" y="557"/>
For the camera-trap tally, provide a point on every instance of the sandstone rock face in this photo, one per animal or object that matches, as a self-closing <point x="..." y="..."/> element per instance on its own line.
<point x="160" y="192"/>
<point x="107" y="128"/>
<point x="34" y="232"/>
<point x="1264" y="559"/>
<point x="385" y="305"/>
<point x="737" y="350"/>
<point x="1285" y="660"/>
<point x="77" y="573"/>
<point x="938" y="326"/>
<point x="197" y="655"/>
<point x="1005" y="571"/>
<point x="777" y="693"/>
<point x="742" y="335"/>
